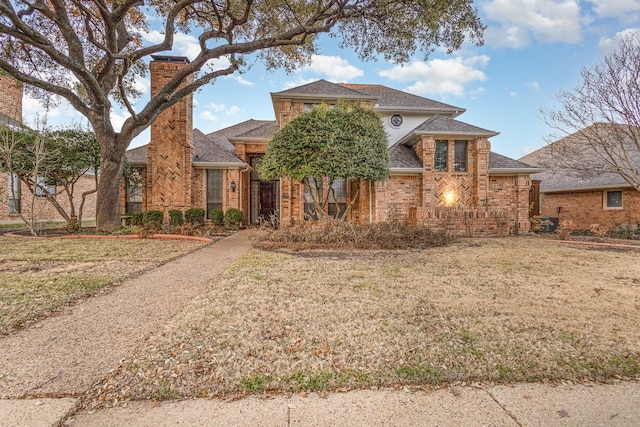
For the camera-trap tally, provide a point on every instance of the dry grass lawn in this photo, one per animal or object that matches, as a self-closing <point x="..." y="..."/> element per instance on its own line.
<point x="39" y="277"/>
<point x="485" y="310"/>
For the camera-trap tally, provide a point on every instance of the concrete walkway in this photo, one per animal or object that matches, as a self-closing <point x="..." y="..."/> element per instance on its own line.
<point x="64" y="356"/>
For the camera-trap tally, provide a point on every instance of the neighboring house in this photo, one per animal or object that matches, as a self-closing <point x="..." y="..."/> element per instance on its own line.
<point x="579" y="185"/>
<point x="15" y="198"/>
<point x="442" y="170"/>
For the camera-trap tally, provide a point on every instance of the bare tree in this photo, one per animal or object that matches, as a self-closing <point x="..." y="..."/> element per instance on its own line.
<point x="91" y="52"/>
<point x="598" y="121"/>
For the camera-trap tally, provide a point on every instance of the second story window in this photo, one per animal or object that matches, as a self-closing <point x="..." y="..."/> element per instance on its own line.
<point x="441" y="156"/>
<point x="460" y="156"/>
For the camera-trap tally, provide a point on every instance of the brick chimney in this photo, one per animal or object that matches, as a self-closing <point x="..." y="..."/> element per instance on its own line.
<point x="10" y="97"/>
<point x="170" y="151"/>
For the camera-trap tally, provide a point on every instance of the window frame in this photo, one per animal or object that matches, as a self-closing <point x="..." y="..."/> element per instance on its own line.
<point x="440" y="156"/>
<point x="457" y="162"/>
<point x="605" y="199"/>
<point x="214" y="196"/>
<point x="13" y="194"/>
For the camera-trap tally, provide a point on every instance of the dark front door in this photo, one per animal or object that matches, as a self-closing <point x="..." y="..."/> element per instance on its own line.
<point x="264" y="195"/>
<point x="268" y="199"/>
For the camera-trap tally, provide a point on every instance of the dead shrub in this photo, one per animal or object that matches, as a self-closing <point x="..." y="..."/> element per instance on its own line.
<point x="566" y="228"/>
<point x="598" y="230"/>
<point x="341" y="234"/>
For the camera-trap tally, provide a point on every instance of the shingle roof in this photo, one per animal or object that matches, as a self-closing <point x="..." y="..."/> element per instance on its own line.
<point x="389" y="98"/>
<point x="205" y="150"/>
<point x="572" y="164"/>
<point x="401" y="156"/>
<point x="8" y="120"/>
<point x="441" y="125"/>
<point x="504" y="163"/>
<point x="323" y="89"/>
<point x="137" y="155"/>
<point x="265" y="131"/>
<point x="214" y="147"/>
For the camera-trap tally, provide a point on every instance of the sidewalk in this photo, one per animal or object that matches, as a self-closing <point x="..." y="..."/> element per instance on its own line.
<point x="526" y="405"/>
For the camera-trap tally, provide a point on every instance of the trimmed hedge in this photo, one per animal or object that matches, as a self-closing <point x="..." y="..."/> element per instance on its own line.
<point x="216" y="216"/>
<point x="176" y="217"/>
<point x="233" y="217"/>
<point x="194" y="216"/>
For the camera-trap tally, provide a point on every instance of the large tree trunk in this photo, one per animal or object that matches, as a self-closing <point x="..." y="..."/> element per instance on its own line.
<point x="109" y="184"/>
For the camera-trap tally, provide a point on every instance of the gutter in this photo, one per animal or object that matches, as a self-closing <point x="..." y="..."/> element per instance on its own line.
<point x="219" y="165"/>
<point x="588" y="188"/>
<point x="512" y="171"/>
<point x="405" y="171"/>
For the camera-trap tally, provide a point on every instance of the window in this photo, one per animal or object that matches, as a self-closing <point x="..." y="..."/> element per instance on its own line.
<point x="44" y="189"/>
<point x="13" y="192"/>
<point x="441" y="155"/>
<point x="214" y="190"/>
<point x="613" y="199"/>
<point x="309" y="208"/>
<point x="460" y="151"/>
<point x="338" y="200"/>
<point x="396" y="120"/>
<point x="134" y="190"/>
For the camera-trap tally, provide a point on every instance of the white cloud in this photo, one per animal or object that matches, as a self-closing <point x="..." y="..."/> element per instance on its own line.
<point x="186" y="45"/>
<point x="534" y="85"/>
<point x="117" y="120"/>
<point x="208" y="115"/>
<point x="513" y="94"/>
<point x="334" y="68"/>
<point x="608" y="45"/>
<point x="440" y="76"/>
<point x="142" y="85"/>
<point x="216" y="107"/>
<point x="625" y="10"/>
<point x="298" y="82"/>
<point x="233" y="110"/>
<point x="240" y="80"/>
<point x="516" y="21"/>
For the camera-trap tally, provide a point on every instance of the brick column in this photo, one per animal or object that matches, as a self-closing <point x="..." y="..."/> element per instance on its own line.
<point x="481" y="171"/>
<point x="428" y="145"/>
<point x="169" y="154"/>
<point x="11" y="97"/>
<point x="523" y="184"/>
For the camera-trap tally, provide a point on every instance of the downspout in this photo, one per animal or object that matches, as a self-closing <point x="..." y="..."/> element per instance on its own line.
<point x="240" y="185"/>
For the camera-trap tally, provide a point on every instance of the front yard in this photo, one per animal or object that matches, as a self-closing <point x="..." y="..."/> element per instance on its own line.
<point x="483" y="310"/>
<point x="39" y="277"/>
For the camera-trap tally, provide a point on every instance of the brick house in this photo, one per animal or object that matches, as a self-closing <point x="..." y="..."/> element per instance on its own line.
<point x="442" y="172"/>
<point x="578" y="185"/>
<point x="15" y="200"/>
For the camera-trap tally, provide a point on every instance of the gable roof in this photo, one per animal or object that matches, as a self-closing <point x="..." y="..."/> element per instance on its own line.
<point x="397" y="100"/>
<point x="213" y="149"/>
<point x="503" y="164"/>
<point x="322" y="89"/>
<point x="438" y="125"/>
<point x="572" y="164"/>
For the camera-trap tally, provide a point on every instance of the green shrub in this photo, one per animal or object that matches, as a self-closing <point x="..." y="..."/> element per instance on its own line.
<point x="194" y="216"/>
<point x="233" y="217"/>
<point x="176" y="217"/>
<point x="136" y="218"/>
<point x="216" y="216"/>
<point x="152" y="216"/>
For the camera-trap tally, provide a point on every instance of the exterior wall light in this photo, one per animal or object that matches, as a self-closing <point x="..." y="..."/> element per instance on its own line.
<point x="449" y="197"/>
<point x="233" y="186"/>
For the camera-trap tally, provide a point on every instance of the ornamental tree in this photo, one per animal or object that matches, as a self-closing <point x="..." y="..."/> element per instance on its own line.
<point x="50" y="163"/>
<point x="91" y="52"/>
<point x="345" y="142"/>
<point x="599" y="119"/>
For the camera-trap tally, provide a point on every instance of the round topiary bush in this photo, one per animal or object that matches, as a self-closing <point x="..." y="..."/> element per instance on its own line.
<point x="194" y="216"/>
<point x="216" y="216"/>
<point x="233" y="217"/>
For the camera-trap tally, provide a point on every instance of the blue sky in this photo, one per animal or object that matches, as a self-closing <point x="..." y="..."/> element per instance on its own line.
<point x="532" y="50"/>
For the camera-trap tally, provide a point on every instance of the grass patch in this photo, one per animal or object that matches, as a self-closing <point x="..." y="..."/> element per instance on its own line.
<point x="334" y="320"/>
<point x="41" y="276"/>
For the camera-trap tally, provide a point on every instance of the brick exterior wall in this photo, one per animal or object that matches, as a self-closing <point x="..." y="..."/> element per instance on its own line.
<point x="43" y="210"/>
<point x="11" y="97"/>
<point x="169" y="154"/>
<point x="587" y="207"/>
